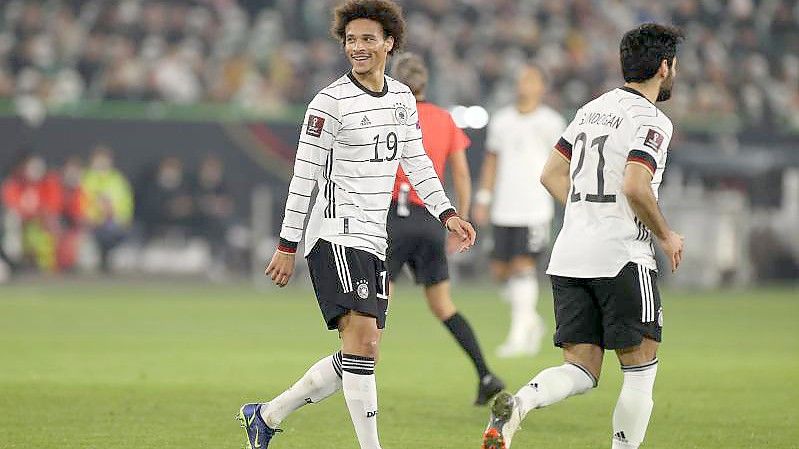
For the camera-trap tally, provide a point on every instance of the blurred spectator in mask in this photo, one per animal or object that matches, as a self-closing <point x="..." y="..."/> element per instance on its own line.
<point x="110" y="202"/>
<point x="33" y="200"/>
<point x="74" y="212"/>
<point x="214" y="205"/>
<point x="167" y="204"/>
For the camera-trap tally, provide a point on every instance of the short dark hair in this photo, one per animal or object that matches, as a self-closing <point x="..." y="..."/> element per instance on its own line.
<point x="385" y="12"/>
<point x="643" y="48"/>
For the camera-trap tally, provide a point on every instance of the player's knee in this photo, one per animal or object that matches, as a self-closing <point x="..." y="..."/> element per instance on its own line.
<point x="638" y="355"/>
<point x="366" y="345"/>
<point x="499" y="270"/>
<point x="522" y="265"/>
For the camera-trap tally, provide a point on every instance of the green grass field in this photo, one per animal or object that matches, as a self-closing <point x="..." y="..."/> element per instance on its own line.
<point x="87" y="365"/>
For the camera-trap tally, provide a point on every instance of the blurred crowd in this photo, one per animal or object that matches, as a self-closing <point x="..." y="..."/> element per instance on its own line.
<point x="739" y="62"/>
<point x="71" y="218"/>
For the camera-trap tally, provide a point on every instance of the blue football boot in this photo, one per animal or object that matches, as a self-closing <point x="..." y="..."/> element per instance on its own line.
<point x="258" y="433"/>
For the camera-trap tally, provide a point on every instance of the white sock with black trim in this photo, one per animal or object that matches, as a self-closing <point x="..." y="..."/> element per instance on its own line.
<point x="554" y="385"/>
<point x="360" y="392"/>
<point x="634" y="407"/>
<point x="319" y="382"/>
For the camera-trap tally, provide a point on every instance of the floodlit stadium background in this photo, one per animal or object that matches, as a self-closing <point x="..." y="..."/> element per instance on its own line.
<point x="169" y="84"/>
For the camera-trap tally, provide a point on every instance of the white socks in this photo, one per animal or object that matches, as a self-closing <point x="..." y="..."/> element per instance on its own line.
<point x="360" y="392"/>
<point x="356" y="374"/>
<point x="525" y="324"/>
<point x="319" y="382"/>
<point x="553" y="385"/>
<point x="631" y="416"/>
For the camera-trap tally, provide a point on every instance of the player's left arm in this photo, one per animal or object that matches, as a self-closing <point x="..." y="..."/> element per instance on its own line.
<point x="647" y="151"/>
<point x="419" y="168"/>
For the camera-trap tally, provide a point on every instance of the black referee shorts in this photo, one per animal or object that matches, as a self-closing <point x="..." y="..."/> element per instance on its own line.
<point x="346" y="279"/>
<point x="418" y="240"/>
<point x="614" y="313"/>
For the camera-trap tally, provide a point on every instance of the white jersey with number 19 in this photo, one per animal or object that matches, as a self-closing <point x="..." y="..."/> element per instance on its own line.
<point x="601" y="233"/>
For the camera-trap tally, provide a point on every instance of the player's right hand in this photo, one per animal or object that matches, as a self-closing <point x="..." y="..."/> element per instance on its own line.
<point x="480" y="214"/>
<point x="280" y="268"/>
<point x="672" y="245"/>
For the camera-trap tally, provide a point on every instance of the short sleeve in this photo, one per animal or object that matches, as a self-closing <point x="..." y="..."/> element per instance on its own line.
<point x="566" y="141"/>
<point x="493" y="133"/>
<point x="649" y="144"/>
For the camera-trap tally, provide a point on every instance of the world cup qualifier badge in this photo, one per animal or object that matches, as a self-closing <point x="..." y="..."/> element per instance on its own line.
<point x="653" y="140"/>
<point x="362" y="290"/>
<point x="400" y="114"/>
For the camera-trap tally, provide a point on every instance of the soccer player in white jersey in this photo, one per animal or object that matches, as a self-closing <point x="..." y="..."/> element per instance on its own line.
<point x="356" y="132"/>
<point x="606" y="170"/>
<point x="520" y="138"/>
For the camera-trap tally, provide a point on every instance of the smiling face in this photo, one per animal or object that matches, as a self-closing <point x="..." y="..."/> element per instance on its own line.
<point x="366" y="47"/>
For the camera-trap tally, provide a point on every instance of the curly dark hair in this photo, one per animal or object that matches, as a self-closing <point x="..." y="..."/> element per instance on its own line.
<point x="385" y="12"/>
<point x="643" y="48"/>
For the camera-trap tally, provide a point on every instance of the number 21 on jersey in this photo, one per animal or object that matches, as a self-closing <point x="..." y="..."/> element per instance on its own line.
<point x="597" y="143"/>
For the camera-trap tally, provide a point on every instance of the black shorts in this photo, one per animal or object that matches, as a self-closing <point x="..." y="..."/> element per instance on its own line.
<point x="418" y="240"/>
<point x="614" y="313"/>
<point x="511" y="242"/>
<point x="347" y="279"/>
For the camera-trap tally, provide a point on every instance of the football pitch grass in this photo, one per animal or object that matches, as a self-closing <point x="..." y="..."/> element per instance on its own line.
<point x="165" y="365"/>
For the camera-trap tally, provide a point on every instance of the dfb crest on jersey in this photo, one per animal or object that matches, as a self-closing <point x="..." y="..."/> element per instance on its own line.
<point x="400" y="114"/>
<point x="363" y="289"/>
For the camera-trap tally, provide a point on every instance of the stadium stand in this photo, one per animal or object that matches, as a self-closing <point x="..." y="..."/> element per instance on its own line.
<point x="264" y="55"/>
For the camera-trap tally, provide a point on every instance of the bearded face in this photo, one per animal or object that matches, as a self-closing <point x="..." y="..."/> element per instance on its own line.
<point x="665" y="87"/>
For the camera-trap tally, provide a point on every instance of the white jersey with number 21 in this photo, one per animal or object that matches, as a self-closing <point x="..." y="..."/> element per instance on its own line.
<point x="601" y="233"/>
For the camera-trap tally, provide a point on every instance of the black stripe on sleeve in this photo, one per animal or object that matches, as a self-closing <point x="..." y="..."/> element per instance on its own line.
<point x="431" y="194"/>
<point x="643" y="157"/>
<point x="309" y="162"/>
<point x="446" y="215"/>
<point x="287" y="246"/>
<point x="565" y="148"/>
<point x="424" y="180"/>
<point x="328" y="95"/>
<point x="314" y="145"/>
<point x="326" y="113"/>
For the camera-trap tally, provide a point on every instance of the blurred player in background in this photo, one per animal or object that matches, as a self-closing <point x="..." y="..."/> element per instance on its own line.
<point x="606" y="170"/>
<point x="520" y="138"/>
<point x="356" y="133"/>
<point x="416" y="238"/>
